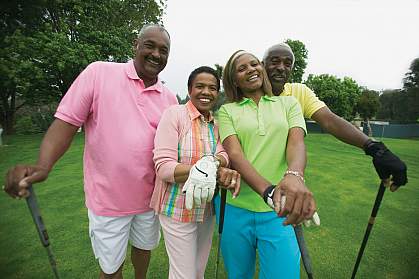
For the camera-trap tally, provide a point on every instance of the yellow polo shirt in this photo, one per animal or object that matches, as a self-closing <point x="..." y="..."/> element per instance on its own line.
<point x="309" y="102"/>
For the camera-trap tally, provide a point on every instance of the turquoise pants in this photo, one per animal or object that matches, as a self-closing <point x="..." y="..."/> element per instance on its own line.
<point x="246" y="232"/>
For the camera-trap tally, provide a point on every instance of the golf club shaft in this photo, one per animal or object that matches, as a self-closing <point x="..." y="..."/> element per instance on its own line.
<point x="42" y="231"/>
<point x="303" y="250"/>
<point x="377" y="203"/>
<point x="220" y="226"/>
<point x="222" y="210"/>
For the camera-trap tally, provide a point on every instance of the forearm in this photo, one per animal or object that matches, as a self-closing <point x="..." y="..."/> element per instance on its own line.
<point x="56" y="142"/>
<point x="339" y="127"/>
<point x="239" y="162"/>
<point x="249" y="174"/>
<point x="296" y="156"/>
<point x="182" y="173"/>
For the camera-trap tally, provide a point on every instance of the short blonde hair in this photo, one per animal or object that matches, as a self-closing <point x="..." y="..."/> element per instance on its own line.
<point x="232" y="91"/>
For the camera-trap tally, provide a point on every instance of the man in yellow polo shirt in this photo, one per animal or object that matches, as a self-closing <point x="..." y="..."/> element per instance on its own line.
<point x="279" y="61"/>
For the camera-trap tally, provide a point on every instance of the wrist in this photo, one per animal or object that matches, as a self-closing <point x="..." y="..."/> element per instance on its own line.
<point x="268" y="195"/>
<point x="367" y="143"/>
<point x="295" y="173"/>
<point x="374" y="148"/>
<point x="44" y="166"/>
<point x="216" y="160"/>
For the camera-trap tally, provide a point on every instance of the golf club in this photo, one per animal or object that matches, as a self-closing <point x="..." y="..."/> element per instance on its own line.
<point x="298" y="230"/>
<point x="380" y="194"/>
<point x="220" y="226"/>
<point x="42" y="231"/>
<point x="303" y="250"/>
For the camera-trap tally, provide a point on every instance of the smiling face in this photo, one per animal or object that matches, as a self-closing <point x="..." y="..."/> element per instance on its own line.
<point x="248" y="73"/>
<point x="203" y="92"/>
<point x="151" y="54"/>
<point x="278" y="65"/>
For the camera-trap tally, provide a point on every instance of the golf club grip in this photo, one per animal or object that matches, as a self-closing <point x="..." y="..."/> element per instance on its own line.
<point x="303" y="250"/>
<point x="36" y="216"/>
<point x="223" y="199"/>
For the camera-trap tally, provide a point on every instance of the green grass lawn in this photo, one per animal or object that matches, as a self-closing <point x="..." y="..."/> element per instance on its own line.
<point x="341" y="177"/>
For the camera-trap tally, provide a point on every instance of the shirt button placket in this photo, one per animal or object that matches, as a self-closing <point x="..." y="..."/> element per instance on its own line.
<point x="261" y="123"/>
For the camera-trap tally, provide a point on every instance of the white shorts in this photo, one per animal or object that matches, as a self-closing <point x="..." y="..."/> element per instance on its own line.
<point x="109" y="237"/>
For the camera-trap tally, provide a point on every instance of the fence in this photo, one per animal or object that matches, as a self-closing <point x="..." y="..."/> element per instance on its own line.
<point x="401" y="131"/>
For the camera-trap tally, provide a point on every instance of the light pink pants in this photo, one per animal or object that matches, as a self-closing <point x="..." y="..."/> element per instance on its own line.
<point x="188" y="246"/>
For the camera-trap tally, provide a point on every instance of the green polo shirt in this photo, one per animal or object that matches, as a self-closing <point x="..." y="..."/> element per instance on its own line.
<point x="262" y="131"/>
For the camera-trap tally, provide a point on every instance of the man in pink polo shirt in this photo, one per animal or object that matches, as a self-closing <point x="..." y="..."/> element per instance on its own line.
<point x="119" y="105"/>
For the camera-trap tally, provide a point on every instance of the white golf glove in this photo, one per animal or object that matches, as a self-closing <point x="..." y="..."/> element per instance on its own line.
<point x="200" y="186"/>
<point x="268" y="197"/>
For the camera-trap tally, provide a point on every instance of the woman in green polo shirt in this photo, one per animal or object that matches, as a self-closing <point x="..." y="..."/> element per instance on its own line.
<point x="264" y="138"/>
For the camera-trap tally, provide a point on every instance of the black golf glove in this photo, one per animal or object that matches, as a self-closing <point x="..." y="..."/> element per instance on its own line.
<point x="386" y="163"/>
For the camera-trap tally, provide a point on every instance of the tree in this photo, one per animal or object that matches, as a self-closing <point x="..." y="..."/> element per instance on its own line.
<point x="411" y="89"/>
<point x="403" y="105"/>
<point x="412" y="96"/>
<point x="411" y="79"/>
<point x="388" y="108"/>
<point x="341" y="96"/>
<point x="300" y="63"/>
<point x="400" y="105"/>
<point x="45" y="44"/>
<point x="221" y="95"/>
<point x="367" y="106"/>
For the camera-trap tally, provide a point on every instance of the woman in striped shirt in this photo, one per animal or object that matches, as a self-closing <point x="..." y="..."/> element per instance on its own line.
<point x="186" y="134"/>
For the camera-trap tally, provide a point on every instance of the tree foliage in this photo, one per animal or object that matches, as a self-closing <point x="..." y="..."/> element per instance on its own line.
<point x="45" y="44"/>
<point x="402" y="105"/>
<point x="341" y="96"/>
<point x="393" y="106"/>
<point x="221" y="95"/>
<point x="368" y="104"/>
<point x="411" y="79"/>
<point x="300" y="63"/>
<point x="411" y="90"/>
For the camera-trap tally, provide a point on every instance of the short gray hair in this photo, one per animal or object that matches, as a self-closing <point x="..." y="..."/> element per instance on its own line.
<point x="152" y="25"/>
<point x="280" y="45"/>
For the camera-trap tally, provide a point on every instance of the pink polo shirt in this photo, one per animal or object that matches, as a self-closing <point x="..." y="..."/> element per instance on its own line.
<point x="120" y="118"/>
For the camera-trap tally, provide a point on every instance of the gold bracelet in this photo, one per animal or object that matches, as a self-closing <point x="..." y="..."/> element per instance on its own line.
<point x="296" y="173"/>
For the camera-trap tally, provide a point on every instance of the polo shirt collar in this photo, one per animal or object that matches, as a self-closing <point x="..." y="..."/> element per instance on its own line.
<point x="264" y="97"/>
<point x="132" y="74"/>
<point x="194" y="112"/>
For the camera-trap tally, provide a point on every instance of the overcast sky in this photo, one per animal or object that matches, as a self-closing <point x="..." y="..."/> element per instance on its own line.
<point x="371" y="41"/>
